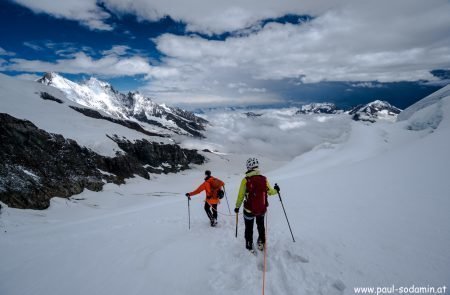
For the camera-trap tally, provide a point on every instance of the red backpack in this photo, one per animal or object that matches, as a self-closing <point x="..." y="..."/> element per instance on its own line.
<point x="256" y="200"/>
<point x="216" y="187"/>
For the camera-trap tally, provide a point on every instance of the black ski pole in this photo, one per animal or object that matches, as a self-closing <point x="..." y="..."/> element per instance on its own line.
<point x="226" y="198"/>
<point x="189" y="212"/>
<point x="236" y="223"/>
<point x="285" y="215"/>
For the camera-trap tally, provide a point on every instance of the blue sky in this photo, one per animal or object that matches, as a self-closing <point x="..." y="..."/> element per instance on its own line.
<point x="255" y="52"/>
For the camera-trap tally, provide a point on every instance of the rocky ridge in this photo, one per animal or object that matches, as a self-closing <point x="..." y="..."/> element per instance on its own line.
<point x="37" y="165"/>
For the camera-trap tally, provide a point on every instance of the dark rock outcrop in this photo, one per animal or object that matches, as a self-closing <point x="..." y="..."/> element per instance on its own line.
<point x="46" y="96"/>
<point x="127" y="123"/>
<point x="36" y="165"/>
<point x="193" y="127"/>
<point x="252" y="115"/>
<point x="159" y="157"/>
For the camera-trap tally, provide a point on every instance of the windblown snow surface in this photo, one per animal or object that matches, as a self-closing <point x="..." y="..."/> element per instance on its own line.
<point x="368" y="204"/>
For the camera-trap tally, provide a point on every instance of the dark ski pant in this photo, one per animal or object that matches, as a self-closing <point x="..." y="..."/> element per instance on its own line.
<point x="211" y="215"/>
<point x="248" y="219"/>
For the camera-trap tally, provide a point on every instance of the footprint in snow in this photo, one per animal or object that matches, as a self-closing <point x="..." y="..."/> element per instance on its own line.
<point x="260" y="261"/>
<point x="339" y="285"/>
<point x="295" y="257"/>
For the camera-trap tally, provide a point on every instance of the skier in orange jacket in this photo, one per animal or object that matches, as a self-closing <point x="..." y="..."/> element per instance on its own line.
<point x="213" y="189"/>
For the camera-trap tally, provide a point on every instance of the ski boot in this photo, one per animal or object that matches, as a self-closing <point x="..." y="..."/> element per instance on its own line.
<point x="260" y="245"/>
<point x="249" y="247"/>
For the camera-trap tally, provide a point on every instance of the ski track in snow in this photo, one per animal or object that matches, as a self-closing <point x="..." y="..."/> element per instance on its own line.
<point x="288" y="269"/>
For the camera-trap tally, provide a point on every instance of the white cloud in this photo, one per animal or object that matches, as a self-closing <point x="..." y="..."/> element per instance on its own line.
<point x="367" y="85"/>
<point x="313" y="52"/>
<point x="215" y="17"/>
<point x="243" y="88"/>
<point x="67" y="52"/>
<point x="4" y="52"/>
<point x="33" y="46"/>
<point x="110" y="65"/>
<point x="64" y="49"/>
<point x="200" y="15"/>
<point x="85" y="11"/>
<point x="236" y="85"/>
<point x="117" y="50"/>
<point x="246" y="89"/>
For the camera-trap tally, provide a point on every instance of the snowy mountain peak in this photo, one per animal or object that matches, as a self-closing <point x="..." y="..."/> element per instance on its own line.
<point x="380" y="104"/>
<point x="378" y="109"/>
<point x="52" y="78"/>
<point x="94" y="82"/>
<point x="101" y="95"/>
<point x="49" y="76"/>
<point x="318" y="108"/>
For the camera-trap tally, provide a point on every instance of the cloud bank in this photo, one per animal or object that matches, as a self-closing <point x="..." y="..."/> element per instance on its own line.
<point x="279" y="134"/>
<point x="347" y="44"/>
<point x="112" y="64"/>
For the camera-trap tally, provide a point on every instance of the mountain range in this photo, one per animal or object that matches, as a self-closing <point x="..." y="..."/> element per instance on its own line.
<point x="370" y="112"/>
<point x="102" y="96"/>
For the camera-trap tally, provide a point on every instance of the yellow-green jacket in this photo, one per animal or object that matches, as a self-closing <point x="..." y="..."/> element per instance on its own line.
<point x="243" y="188"/>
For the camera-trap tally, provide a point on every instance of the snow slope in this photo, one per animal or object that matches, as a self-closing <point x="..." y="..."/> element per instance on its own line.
<point x="384" y="217"/>
<point x="368" y="211"/>
<point x="427" y="101"/>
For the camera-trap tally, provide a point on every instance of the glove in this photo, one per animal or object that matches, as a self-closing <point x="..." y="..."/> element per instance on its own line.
<point x="188" y="195"/>
<point x="236" y="210"/>
<point x="277" y="188"/>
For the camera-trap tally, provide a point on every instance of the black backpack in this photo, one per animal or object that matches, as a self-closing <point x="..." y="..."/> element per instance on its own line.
<point x="220" y="193"/>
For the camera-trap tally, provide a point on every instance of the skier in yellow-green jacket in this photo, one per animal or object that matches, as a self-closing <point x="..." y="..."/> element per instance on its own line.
<point x="253" y="193"/>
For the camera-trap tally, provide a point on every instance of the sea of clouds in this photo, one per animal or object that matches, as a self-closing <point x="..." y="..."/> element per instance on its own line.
<point x="276" y="133"/>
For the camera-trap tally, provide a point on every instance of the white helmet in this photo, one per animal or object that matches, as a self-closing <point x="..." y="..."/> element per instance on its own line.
<point x="252" y="163"/>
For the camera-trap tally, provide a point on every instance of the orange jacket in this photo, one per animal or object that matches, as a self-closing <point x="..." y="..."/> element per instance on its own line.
<point x="211" y="196"/>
